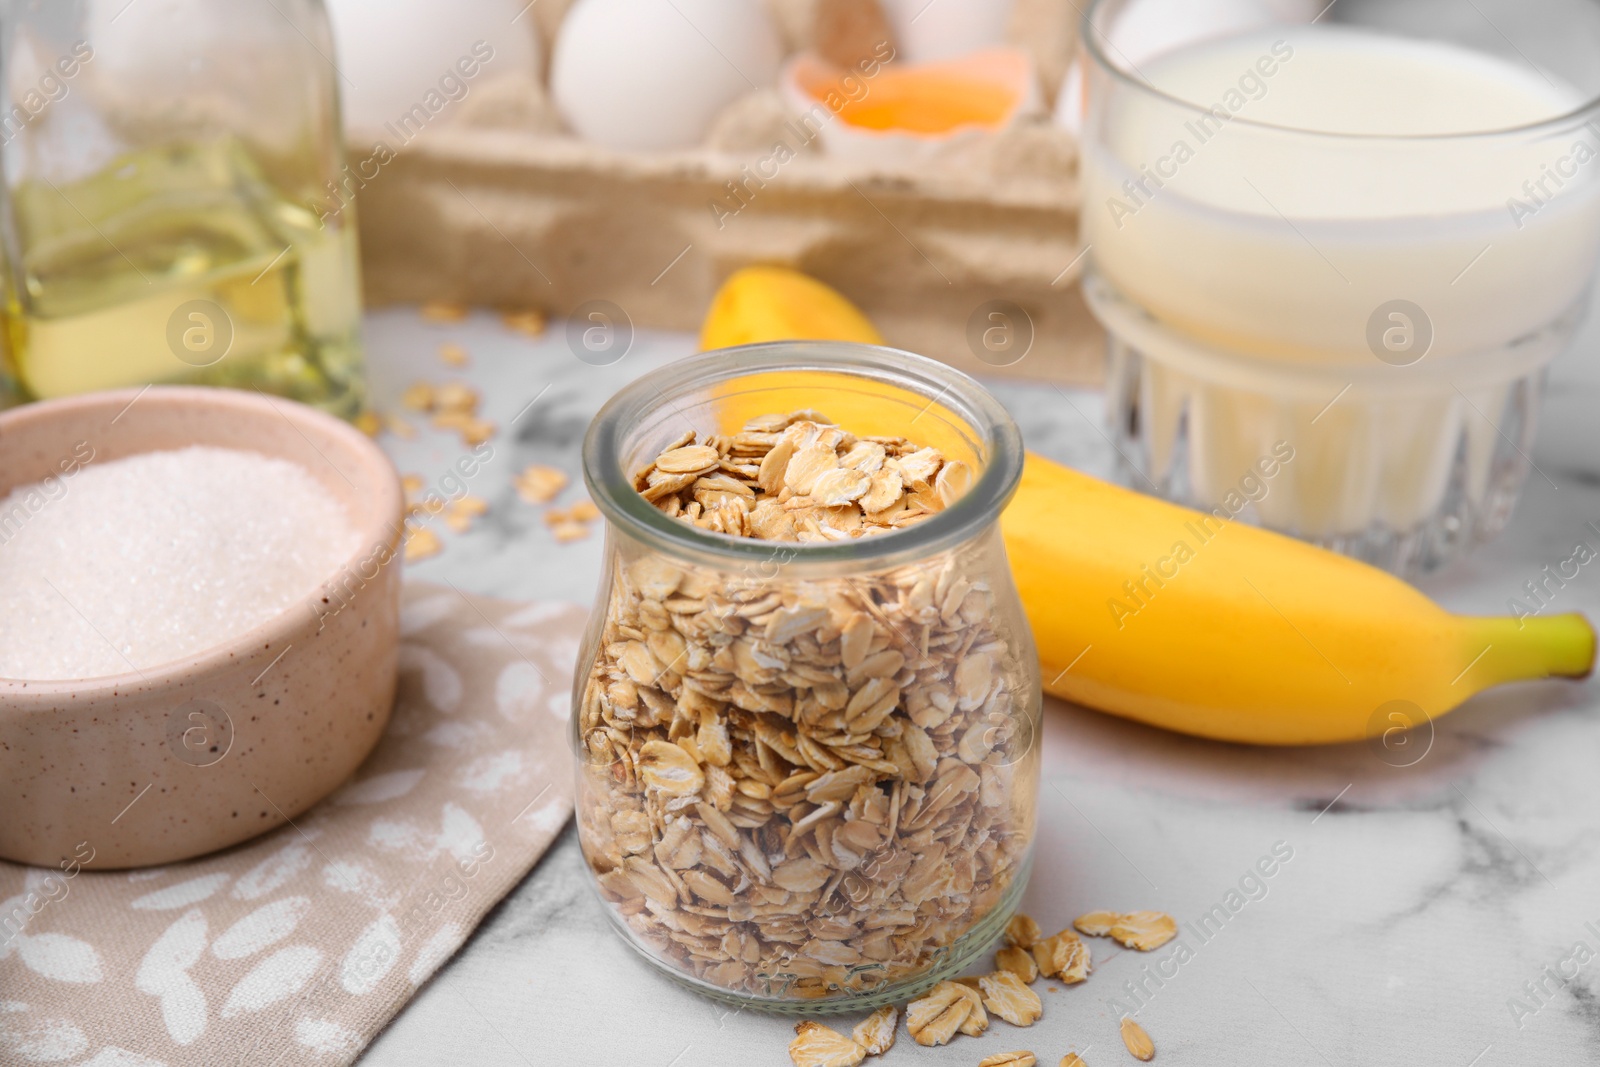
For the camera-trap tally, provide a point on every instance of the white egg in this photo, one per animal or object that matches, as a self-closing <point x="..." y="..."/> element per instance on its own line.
<point x="654" y="74"/>
<point x="928" y="30"/>
<point x="392" y="54"/>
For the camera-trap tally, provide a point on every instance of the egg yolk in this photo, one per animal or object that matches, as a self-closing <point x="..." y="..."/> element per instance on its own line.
<point x="982" y="89"/>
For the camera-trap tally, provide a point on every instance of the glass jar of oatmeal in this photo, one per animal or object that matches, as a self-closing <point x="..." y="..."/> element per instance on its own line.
<point x="807" y="706"/>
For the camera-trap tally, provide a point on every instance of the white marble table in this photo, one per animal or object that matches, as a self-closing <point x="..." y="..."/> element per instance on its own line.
<point x="1416" y="903"/>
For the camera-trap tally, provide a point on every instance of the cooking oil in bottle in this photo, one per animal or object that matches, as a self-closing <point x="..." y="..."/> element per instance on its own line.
<point x="182" y="264"/>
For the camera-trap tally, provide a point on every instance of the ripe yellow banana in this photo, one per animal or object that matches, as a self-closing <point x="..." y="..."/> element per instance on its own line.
<point x="757" y="304"/>
<point x="1173" y="617"/>
<point x="1239" y="634"/>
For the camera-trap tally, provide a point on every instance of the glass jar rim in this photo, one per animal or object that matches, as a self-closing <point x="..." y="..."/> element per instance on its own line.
<point x="1092" y="37"/>
<point x="613" y="493"/>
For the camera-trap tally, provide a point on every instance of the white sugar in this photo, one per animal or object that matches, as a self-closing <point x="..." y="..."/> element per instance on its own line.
<point x="131" y="563"/>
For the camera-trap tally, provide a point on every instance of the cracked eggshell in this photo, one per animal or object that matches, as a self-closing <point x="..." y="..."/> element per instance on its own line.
<point x="640" y="75"/>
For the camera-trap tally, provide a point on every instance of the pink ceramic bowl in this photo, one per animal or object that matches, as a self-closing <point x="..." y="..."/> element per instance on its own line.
<point x="204" y="752"/>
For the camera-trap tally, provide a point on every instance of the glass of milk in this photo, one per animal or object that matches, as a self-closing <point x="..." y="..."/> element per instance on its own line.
<point x="1335" y="248"/>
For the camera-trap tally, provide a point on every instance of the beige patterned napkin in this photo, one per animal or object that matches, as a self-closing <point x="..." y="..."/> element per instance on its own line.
<point x="297" y="947"/>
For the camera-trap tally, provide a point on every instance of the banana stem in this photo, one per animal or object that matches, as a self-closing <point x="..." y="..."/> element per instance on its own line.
<point x="1557" y="646"/>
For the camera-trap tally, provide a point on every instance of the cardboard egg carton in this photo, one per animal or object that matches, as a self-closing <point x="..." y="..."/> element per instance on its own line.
<point x="501" y="207"/>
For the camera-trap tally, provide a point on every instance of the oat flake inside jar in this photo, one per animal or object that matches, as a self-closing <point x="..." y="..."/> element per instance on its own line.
<point x="807" y="708"/>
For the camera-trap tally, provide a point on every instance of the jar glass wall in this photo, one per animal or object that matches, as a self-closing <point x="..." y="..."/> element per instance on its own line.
<point x="807" y="773"/>
<point x="171" y="200"/>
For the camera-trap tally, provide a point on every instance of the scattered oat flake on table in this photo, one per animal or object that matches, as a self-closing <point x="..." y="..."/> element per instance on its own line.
<point x="1078" y="965"/>
<point x="369" y="423"/>
<point x="815" y="1045"/>
<point x="473" y="430"/>
<point x="454" y="355"/>
<point x="1145" y="930"/>
<point x="539" y="484"/>
<point x="399" y="427"/>
<point x="417" y="397"/>
<point x="1019" y="961"/>
<point x="422" y="543"/>
<point x="428" y="506"/>
<point x="583" y="511"/>
<point x="456" y="396"/>
<point x="977" y="1020"/>
<point x="477" y="432"/>
<point x="1138" y="1042"/>
<point x="1009" y="997"/>
<point x="443" y="311"/>
<point x="1009" y="1059"/>
<point x="566" y="532"/>
<point x="1063" y="956"/>
<point x="461" y="512"/>
<point x="876" y="1032"/>
<point x="531" y="323"/>
<point x="1096" y="923"/>
<point x="1022" y="931"/>
<point x="934" y="1018"/>
<point x="417" y="503"/>
<point x="1072" y="1059"/>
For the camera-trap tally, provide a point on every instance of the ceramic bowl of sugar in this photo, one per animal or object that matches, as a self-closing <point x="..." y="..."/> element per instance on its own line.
<point x="199" y="612"/>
